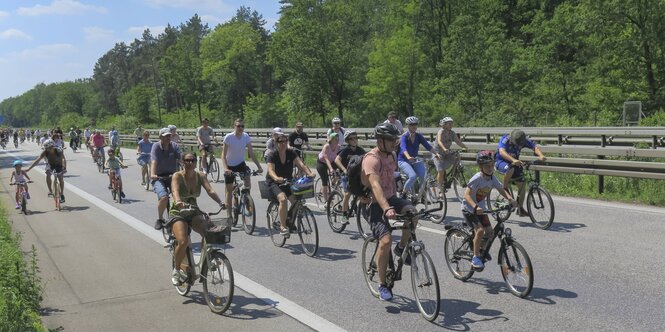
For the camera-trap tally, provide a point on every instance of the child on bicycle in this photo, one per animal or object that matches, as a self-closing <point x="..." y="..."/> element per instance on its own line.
<point x="474" y="204"/>
<point x="19" y="176"/>
<point x="114" y="164"/>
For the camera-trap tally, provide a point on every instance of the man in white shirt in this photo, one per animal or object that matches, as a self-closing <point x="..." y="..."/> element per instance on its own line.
<point x="392" y="118"/>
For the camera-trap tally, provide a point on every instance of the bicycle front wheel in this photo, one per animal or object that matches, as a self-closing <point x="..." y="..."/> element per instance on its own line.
<point x="218" y="282"/>
<point x="362" y="218"/>
<point x="540" y="206"/>
<point x="334" y="212"/>
<point x="425" y="284"/>
<point x="516" y="269"/>
<point x="24" y="203"/>
<point x="273" y="225"/>
<point x="56" y="192"/>
<point x="432" y="198"/>
<point x="369" y="267"/>
<point x="213" y="170"/>
<point x="247" y="213"/>
<point x="308" y="231"/>
<point x="318" y="195"/>
<point x="458" y="252"/>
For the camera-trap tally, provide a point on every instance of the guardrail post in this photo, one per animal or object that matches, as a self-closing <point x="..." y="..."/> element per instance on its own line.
<point x="488" y="139"/>
<point x="654" y="142"/>
<point x="559" y="139"/>
<point x="601" y="179"/>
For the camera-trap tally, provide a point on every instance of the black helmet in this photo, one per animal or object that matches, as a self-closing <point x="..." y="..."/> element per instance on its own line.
<point x="484" y="157"/>
<point x="518" y="137"/>
<point x="386" y="130"/>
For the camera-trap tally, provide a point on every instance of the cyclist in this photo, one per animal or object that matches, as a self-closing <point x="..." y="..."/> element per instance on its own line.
<point x="55" y="162"/>
<point x="270" y="143"/>
<point x="204" y="136"/>
<point x="87" y="133"/>
<point x="98" y="144"/>
<point x="58" y="141"/>
<point x="392" y="118"/>
<point x="299" y="138"/>
<point x="280" y="169"/>
<point x="15" y="137"/>
<point x="336" y="128"/>
<point x="19" y="176"/>
<point x="143" y="149"/>
<point x="236" y="145"/>
<point x="474" y="203"/>
<point x="164" y="158"/>
<point x="114" y="139"/>
<point x="73" y="138"/>
<point x="114" y="164"/>
<point x="186" y="186"/>
<point x="21" y="134"/>
<point x="378" y="167"/>
<point x="28" y="134"/>
<point x="325" y="164"/>
<point x="444" y="140"/>
<point x="406" y="159"/>
<point x="3" y="139"/>
<point x="342" y="161"/>
<point x="174" y="135"/>
<point x="138" y="133"/>
<point x="508" y="161"/>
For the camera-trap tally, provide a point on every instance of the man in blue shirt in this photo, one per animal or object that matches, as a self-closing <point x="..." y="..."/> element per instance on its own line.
<point x="508" y="161"/>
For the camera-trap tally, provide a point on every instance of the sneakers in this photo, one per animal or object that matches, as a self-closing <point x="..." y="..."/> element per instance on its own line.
<point x="18" y="206"/>
<point x="159" y="224"/>
<point x="398" y="252"/>
<point x="284" y="232"/>
<point x="62" y="198"/>
<point x="122" y="194"/>
<point x="143" y="183"/>
<point x="50" y="194"/>
<point x="178" y="277"/>
<point x="477" y="263"/>
<point x="385" y="294"/>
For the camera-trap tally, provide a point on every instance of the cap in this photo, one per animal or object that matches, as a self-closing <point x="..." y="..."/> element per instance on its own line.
<point x="277" y="130"/>
<point x="331" y="136"/>
<point x="164" y="132"/>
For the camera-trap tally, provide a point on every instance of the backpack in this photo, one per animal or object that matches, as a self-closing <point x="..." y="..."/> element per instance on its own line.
<point x="353" y="172"/>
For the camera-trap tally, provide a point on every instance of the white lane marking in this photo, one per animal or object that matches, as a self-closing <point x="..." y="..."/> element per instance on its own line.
<point x="261" y="292"/>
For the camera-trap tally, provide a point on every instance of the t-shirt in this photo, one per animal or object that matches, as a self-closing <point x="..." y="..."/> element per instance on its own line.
<point x="205" y="134"/>
<point x="412" y="148"/>
<point x="282" y="169"/>
<point x="480" y="187"/>
<point x="384" y="167"/>
<point x="236" y="148"/>
<point x="270" y="147"/>
<point x="297" y="140"/>
<point x="340" y="132"/>
<point x="114" y="163"/>
<point x="346" y="152"/>
<point x="98" y="140"/>
<point x="330" y="152"/>
<point x="512" y="149"/>
<point x="145" y="147"/>
<point x="167" y="160"/>
<point x="446" y="139"/>
<point x="397" y="124"/>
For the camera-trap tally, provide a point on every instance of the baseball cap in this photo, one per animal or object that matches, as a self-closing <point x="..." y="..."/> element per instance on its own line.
<point x="164" y="132"/>
<point x="277" y="130"/>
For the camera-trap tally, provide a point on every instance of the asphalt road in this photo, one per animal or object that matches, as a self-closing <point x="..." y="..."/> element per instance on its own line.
<point x="598" y="268"/>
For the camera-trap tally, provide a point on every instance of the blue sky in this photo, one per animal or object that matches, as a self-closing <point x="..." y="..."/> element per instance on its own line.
<point x="59" y="40"/>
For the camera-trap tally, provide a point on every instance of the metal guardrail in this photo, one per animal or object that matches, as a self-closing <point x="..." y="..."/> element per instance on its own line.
<point x="569" y="150"/>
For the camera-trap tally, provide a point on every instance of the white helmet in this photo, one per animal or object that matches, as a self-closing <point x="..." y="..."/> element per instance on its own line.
<point x="411" y="120"/>
<point x="444" y="120"/>
<point x="336" y="120"/>
<point x="48" y="143"/>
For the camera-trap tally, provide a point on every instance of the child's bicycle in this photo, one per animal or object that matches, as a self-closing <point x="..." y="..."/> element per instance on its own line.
<point x="22" y="194"/>
<point x="116" y="186"/>
<point x="513" y="260"/>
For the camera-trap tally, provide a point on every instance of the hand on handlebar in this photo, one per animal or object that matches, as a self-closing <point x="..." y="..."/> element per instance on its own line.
<point x="517" y="163"/>
<point x="391" y="213"/>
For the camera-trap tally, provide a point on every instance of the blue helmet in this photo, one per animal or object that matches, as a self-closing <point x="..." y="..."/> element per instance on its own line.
<point x="302" y="184"/>
<point x="17" y="162"/>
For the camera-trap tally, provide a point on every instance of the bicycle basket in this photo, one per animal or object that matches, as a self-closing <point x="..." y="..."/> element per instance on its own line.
<point x="264" y="189"/>
<point x="219" y="231"/>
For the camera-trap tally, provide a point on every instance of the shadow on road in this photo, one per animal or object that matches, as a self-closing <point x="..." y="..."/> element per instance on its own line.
<point x="334" y="254"/>
<point x="239" y="306"/>
<point x="453" y="312"/>
<point x="74" y="208"/>
<point x="538" y="295"/>
<point x="48" y="311"/>
<point x="556" y="225"/>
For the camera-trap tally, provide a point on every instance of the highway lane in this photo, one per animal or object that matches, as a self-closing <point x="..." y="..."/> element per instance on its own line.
<point x="594" y="270"/>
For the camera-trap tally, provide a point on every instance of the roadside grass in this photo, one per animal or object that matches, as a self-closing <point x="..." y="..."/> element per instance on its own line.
<point x="20" y="284"/>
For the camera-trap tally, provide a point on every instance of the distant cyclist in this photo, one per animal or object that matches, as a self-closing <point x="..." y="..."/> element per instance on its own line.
<point x="204" y="137"/>
<point x="444" y="140"/>
<point x="336" y="128"/>
<point x="299" y="139"/>
<point x="56" y="162"/>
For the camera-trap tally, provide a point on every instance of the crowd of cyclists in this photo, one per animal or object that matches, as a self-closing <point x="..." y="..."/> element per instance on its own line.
<point x="176" y="178"/>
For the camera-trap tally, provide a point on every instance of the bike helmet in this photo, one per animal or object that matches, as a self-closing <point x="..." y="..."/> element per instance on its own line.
<point x="110" y="150"/>
<point x="17" y="162"/>
<point x="411" y="120"/>
<point x="518" y="137"/>
<point x="386" y="130"/>
<point x="48" y="143"/>
<point x="348" y="134"/>
<point x="302" y="185"/>
<point x="171" y="127"/>
<point x="336" y="120"/>
<point x="484" y="157"/>
<point x="444" y="120"/>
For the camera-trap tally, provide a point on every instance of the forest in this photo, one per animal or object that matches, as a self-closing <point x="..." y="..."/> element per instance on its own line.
<point x="484" y="63"/>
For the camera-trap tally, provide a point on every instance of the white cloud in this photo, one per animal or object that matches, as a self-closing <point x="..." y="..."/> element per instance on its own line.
<point x="43" y="52"/>
<point x="97" y="34"/>
<point x="217" y="6"/>
<point x="60" y="7"/>
<point x="3" y="15"/>
<point x="14" y="34"/>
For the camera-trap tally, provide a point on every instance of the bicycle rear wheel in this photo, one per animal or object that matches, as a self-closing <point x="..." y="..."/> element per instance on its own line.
<point x="247" y="212"/>
<point x="540" y="206"/>
<point x="458" y="252"/>
<point x="213" y="170"/>
<point x="334" y="212"/>
<point x="459" y="183"/>
<point x="218" y="282"/>
<point x="24" y="203"/>
<point x="425" y="284"/>
<point x="516" y="269"/>
<point x="308" y="231"/>
<point x="362" y="218"/>
<point x="495" y="199"/>
<point x="369" y="267"/>
<point x="273" y="225"/>
<point x="318" y="195"/>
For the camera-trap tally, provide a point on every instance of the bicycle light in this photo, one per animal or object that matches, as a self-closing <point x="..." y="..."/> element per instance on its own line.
<point x="508" y="232"/>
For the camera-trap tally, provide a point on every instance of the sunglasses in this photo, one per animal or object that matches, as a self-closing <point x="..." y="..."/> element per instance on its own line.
<point x="282" y="141"/>
<point x="190" y="160"/>
<point x="240" y="126"/>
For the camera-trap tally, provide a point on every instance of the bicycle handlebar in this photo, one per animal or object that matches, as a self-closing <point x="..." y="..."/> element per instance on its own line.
<point x="410" y="215"/>
<point x="193" y="208"/>
<point x="19" y="183"/>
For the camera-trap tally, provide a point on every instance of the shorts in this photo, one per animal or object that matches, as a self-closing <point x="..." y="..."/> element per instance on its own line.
<point x="322" y="168"/>
<point x="100" y="149"/>
<point x="205" y="148"/>
<point x="50" y="168"/>
<point x="444" y="162"/>
<point x="503" y="167"/>
<point x="380" y="225"/>
<point x="116" y="170"/>
<point x="161" y="188"/>
<point x="344" y="182"/>
<point x="476" y="221"/>
<point x="143" y="160"/>
<point x="276" y="189"/>
<point x="242" y="167"/>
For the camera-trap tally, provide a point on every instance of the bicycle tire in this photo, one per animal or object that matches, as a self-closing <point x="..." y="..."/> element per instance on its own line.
<point x="166" y="234"/>
<point x="425" y="280"/>
<point x="432" y="198"/>
<point x="540" y="206"/>
<point x="56" y="192"/>
<point x="113" y="194"/>
<point x="213" y="170"/>
<point x="362" y="219"/>
<point x="308" y="232"/>
<point x="146" y="179"/>
<point x="495" y="199"/>
<point x="334" y="212"/>
<point x="24" y="203"/>
<point x="369" y="267"/>
<point x="183" y="289"/>
<point x="273" y="224"/>
<point x="318" y="195"/>
<point x="100" y="165"/>
<point x="217" y="282"/>
<point x="515" y="268"/>
<point x="235" y="209"/>
<point x="459" y="183"/>
<point x="458" y="251"/>
<point x="247" y="211"/>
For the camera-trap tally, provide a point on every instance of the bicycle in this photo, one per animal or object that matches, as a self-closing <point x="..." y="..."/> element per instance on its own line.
<point x="300" y="219"/>
<point x="100" y="159"/>
<point x="215" y="271"/>
<point x="243" y="203"/>
<point x="116" y="188"/>
<point x="455" y="177"/>
<point x="426" y="192"/>
<point x="145" y="172"/>
<point x="539" y="203"/>
<point x="23" y="194"/>
<point x="514" y="261"/>
<point x="56" y="189"/>
<point x="167" y="181"/>
<point x="334" y="184"/>
<point x="357" y="209"/>
<point x="15" y="144"/>
<point x="297" y="173"/>
<point x="213" y="166"/>
<point x="423" y="273"/>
